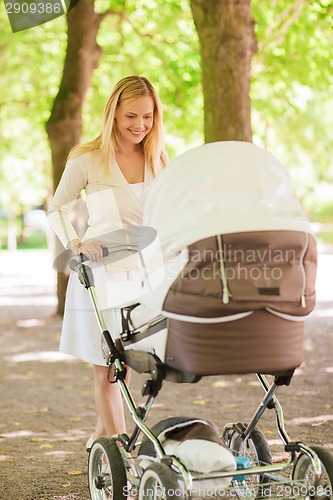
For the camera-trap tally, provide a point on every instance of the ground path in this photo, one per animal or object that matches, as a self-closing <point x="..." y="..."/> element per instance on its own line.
<point x="47" y="409"/>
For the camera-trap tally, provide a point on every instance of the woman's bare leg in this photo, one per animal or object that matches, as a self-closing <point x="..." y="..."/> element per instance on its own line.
<point x="109" y="404"/>
<point x="100" y="429"/>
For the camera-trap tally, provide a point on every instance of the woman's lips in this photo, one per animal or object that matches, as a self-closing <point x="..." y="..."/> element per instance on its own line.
<point x="136" y="132"/>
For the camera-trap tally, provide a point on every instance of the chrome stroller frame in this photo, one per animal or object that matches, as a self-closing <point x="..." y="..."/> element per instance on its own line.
<point x="104" y="484"/>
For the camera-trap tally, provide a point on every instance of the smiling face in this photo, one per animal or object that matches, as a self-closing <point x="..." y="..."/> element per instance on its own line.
<point x="134" y="118"/>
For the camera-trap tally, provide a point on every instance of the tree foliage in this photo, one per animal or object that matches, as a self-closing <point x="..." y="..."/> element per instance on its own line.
<point x="291" y="92"/>
<point x="30" y="72"/>
<point x="291" y="87"/>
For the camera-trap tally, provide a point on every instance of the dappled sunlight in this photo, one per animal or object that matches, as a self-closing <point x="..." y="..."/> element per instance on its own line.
<point x="71" y="435"/>
<point x="29" y="323"/>
<point x="278" y="455"/>
<point x="27" y="279"/>
<point x="308" y="345"/>
<point x="319" y="420"/>
<point x="275" y="442"/>
<point x="60" y="453"/>
<point x="47" y="440"/>
<point x="27" y="300"/>
<point x="323" y="284"/>
<point x="38" y="437"/>
<point x="17" y="434"/>
<point x="323" y="313"/>
<point x="42" y="356"/>
<point x="25" y="266"/>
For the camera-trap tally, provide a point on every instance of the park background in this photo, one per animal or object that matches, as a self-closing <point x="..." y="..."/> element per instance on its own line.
<point x="285" y="77"/>
<point x="271" y="84"/>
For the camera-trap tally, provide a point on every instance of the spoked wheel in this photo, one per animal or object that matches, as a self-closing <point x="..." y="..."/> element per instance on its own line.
<point x="159" y="482"/>
<point x="106" y="471"/>
<point x="257" y="450"/>
<point x="304" y="481"/>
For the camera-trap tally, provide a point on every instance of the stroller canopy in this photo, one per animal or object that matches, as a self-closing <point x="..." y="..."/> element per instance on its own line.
<point x="219" y="188"/>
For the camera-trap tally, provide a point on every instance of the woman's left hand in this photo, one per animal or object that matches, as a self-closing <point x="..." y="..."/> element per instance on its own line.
<point x="92" y="249"/>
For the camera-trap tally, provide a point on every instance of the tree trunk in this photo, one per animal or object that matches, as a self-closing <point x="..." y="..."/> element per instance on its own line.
<point x="227" y="40"/>
<point x="64" y="126"/>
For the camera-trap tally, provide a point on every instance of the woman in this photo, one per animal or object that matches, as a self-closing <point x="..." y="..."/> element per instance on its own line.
<point x="115" y="170"/>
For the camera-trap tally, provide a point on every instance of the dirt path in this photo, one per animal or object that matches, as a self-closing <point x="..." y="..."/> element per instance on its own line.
<point x="47" y="410"/>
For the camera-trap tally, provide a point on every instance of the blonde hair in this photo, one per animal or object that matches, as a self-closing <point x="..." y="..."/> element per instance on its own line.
<point x="108" y="140"/>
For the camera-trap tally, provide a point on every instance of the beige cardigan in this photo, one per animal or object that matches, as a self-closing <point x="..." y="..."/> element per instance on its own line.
<point x="111" y="203"/>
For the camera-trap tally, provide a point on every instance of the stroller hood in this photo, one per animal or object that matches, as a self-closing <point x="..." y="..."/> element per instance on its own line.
<point x="219" y="188"/>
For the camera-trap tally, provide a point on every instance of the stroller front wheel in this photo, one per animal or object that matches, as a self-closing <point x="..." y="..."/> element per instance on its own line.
<point x="106" y="471"/>
<point x="304" y="478"/>
<point x="159" y="482"/>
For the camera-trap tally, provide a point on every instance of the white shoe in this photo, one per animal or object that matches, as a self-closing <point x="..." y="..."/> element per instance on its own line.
<point x="89" y="443"/>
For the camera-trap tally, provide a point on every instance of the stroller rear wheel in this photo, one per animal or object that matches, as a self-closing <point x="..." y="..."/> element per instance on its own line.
<point x="106" y="471"/>
<point x="304" y="478"/>
<point x="257" y="450"/>
<point x="159" y="482"/>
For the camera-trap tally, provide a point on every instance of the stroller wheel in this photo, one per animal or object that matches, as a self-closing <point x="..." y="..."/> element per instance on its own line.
<point x="257" y="450"/>
<point x="106" y="471"/>
<point x="304" y="481"/>
<point x="159" y="482"/>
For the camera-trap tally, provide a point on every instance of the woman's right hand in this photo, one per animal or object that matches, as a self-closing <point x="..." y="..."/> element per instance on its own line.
<point x="92" y="249"/>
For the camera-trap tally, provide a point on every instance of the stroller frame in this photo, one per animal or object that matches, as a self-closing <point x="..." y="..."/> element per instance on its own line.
<point x="144" y="362"/>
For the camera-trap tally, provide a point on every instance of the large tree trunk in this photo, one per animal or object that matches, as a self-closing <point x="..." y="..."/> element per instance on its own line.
<point x="64" y="126"/>
<point x="227" y="40"/>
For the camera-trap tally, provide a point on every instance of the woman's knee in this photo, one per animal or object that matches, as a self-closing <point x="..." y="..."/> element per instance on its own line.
<point x="102" y="377"/>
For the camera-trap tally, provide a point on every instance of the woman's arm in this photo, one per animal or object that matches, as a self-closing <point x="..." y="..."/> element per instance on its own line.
<point x="73" y="180"/>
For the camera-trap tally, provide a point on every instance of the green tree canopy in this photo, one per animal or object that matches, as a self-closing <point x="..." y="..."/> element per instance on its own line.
<point x="291" y="89"/>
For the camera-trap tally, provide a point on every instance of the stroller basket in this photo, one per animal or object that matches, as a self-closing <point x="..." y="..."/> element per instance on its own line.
<point x="260" y="342"/>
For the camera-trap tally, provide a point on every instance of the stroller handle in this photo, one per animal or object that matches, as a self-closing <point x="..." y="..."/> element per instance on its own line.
<point x="85" y="273"/>
<point x="74" y="263"/>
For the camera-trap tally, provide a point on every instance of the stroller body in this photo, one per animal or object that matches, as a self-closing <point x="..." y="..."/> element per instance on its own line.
<point x="226" y="290"/>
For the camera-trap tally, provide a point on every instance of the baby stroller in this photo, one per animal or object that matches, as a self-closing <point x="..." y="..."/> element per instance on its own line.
<point x="222" y="283"/>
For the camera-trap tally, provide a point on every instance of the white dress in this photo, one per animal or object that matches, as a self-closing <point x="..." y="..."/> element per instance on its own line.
<point x="112" y="204"/>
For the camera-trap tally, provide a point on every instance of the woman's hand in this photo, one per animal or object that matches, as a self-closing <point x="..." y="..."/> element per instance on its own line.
<point x="92" y="249"/>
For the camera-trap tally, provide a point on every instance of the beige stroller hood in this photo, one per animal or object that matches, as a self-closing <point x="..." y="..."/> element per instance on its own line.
<point x="218" y="188"/>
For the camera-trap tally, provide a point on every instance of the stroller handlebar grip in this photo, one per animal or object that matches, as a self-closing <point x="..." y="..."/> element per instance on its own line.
<point x="75" y="262"/>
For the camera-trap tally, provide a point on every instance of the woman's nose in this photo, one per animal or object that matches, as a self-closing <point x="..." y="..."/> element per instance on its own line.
<point x="139" y="122"/>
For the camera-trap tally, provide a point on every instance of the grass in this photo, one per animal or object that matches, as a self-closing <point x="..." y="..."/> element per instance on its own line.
<point x="325" y="237"/>
<point x="34" y="241"/>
